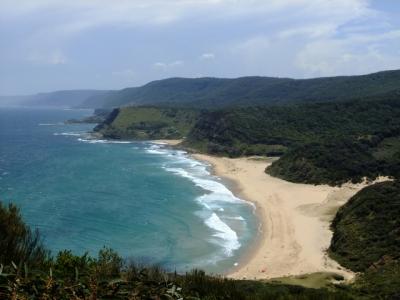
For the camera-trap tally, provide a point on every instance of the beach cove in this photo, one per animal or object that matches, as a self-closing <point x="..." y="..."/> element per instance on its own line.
<point x="291" y="238"/>
<point x="295" y="219"/>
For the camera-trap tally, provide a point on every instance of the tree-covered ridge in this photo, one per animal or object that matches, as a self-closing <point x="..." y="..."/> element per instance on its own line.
<point x="367" y="239"/>
<point x="148" y="123"/>
<point x="330" y="142"/>
<point x="367" y="228"/>
<point x="318" y="143"/>
<point x="249" y="91"/>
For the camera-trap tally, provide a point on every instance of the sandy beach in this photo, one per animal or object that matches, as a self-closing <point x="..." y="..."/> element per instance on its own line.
<point x="168" y="142"/>
<point x="295" y="219"/>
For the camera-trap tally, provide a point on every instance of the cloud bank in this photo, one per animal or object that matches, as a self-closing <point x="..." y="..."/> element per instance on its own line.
<point x="54" y="44"/>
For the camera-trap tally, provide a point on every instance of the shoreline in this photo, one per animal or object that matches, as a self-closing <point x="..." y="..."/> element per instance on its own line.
<point x="295" y="219"/>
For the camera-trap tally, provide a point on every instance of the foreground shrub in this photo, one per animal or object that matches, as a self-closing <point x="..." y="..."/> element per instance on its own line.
<point x="18" y="243"/>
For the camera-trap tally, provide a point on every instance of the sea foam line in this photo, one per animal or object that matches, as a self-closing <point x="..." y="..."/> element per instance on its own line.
<point x="99" y="141"/>
<point x="217" y="194"/>
<point x="68" y="133"/>
<point x="51" y="124"/>
<point x="225" y="233"/>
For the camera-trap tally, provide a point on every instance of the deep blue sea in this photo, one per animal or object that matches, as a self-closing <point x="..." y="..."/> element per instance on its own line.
<point x="146" y="201"/>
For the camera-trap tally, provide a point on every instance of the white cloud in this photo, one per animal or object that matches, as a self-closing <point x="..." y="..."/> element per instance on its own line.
<point x="76" y="16"/>
<point x="291" y="38"/>
<point x="330" y="57"/>
<point x="160" y="65"/>
<point x="319" y="38"/>
<point x="166" y="66"/>
<point x="176" y="63"/>
<point x="207" y="56"/>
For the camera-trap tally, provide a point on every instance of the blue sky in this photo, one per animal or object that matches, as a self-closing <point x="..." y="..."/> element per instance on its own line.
<point x="56" y="44"/>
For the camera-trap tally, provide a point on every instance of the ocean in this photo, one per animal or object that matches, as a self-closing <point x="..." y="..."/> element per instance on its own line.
<point x="148" y="202"/>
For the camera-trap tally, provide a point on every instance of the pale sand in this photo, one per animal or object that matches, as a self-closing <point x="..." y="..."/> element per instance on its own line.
<point x="168" y="142"/>
<point x="295" y="218"/>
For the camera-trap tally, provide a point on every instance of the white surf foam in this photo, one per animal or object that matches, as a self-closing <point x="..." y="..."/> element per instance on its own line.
<point x="156" y="149"/>
<point x="98" y="141"/>
<point x="68" y="133"/>
<point x="229" y="238"/>
<point x="51" y="124"/>
<point x="239" y="218"/>
<point x="218" y="191"/>
<point x="213" y="201"/>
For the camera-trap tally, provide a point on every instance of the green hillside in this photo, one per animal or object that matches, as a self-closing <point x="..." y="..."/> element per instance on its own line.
<point x="367" y="228"/>
<point x="367" y="239"/>
<point x="147" y="123"/>
<point x="248" y="91"/>
<point x="318" y="143"/>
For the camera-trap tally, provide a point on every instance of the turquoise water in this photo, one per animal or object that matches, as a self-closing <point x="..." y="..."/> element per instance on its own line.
<point x="144" y="200"/>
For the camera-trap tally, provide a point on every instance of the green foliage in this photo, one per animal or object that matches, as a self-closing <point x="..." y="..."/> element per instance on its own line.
<point x="18" y="243"/>
<point x="382" y="281"/>
<point x="213" y="93"/>
<point x="108" y="263"/>
<point x="333" y="162"/>
<point x="151" y="283"/>
<point x="367" y="228"/>
<point x="66" y="264"/>
<point x="198" y="284"/>
<point x="367" y="239"/>
<point x="318" y="143"/>
<point x="148" y="123"/>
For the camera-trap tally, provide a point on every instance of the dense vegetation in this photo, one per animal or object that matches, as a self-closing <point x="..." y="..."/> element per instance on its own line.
<point x="17" y="242"/>
<point x="249" y="91"/>
<point x="28" y="272"/>
<point x="318" y="143"/>
<point x="367" y="228"/>
<point x="148" y="123"/>
<point x="213" y="93"/>
<point x="367" y="239"/>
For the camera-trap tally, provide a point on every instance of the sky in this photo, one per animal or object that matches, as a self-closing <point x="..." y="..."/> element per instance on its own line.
<point x="49" y="45"/>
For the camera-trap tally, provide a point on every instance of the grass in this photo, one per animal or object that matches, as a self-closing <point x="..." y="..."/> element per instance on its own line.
<point x="149" y="123"/>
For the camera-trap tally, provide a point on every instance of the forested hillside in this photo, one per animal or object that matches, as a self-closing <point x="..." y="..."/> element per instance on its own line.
<point x="249" y="91"/>
<point x="318" y="143"/>
<point x="367" y="228"/>
<point x="367" y="238"/>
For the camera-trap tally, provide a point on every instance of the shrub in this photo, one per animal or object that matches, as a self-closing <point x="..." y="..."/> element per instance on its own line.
<point x="18" y="243"/>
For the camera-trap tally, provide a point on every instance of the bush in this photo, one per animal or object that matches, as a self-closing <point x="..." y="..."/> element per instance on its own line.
<point x="18" y="243"/>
